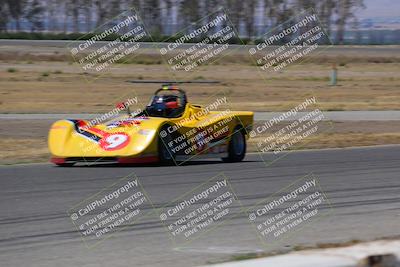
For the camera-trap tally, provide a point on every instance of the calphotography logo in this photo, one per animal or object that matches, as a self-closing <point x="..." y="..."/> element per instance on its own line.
<point x="206" y="131"/>
<point x="200" y="210"/>
<point x="290" y="209"/>
<point x="290" y="42"/>
<point x="290" y="130"/>
<point x="109" y="131"/>
<point x="203" y="43"/>
<point x="110" y="210"/>
<point x="114" y="42"/>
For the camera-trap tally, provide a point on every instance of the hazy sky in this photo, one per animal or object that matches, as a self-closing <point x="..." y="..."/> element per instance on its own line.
<point x="380" y="8"/>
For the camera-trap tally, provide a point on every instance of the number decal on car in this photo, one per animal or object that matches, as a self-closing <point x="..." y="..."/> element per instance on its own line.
<point x="114" y="141"/>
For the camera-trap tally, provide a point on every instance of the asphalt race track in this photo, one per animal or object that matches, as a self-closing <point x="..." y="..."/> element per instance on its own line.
<point x="363" y="185"/>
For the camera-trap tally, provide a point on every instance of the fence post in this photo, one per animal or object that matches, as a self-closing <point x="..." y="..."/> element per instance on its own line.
<point x="334" y="73"/>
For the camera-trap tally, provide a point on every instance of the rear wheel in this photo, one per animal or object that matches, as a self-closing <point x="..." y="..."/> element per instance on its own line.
<point x="165" y="154"/>
<point x="236" y="147"/>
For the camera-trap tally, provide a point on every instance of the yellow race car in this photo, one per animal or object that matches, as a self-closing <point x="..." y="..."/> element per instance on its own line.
<point x="170" y="130"/>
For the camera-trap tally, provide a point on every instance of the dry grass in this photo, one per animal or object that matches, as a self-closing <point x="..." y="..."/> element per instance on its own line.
<point x="340" y="140"/>
<point x="50" y="87"/>
<point x="20" y="150"/>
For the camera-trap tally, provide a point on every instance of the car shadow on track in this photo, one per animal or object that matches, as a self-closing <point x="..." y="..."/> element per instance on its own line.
<point x="157" y="165"/>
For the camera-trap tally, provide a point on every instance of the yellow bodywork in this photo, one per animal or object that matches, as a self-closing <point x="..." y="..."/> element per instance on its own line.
<point x="65" y="141"/>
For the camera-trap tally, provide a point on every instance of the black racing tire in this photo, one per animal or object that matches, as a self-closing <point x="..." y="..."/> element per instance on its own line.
<point x="237" y="146"/>
<point x="165" y="154"/>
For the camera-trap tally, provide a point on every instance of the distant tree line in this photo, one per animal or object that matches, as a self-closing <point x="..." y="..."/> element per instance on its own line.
<point x="164" y="17"/>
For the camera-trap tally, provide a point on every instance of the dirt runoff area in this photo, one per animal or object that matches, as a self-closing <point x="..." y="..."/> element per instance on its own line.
<point x="25" y="141"/>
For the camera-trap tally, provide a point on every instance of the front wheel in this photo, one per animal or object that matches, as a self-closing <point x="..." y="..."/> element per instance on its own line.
<point x="236" y="147"/>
